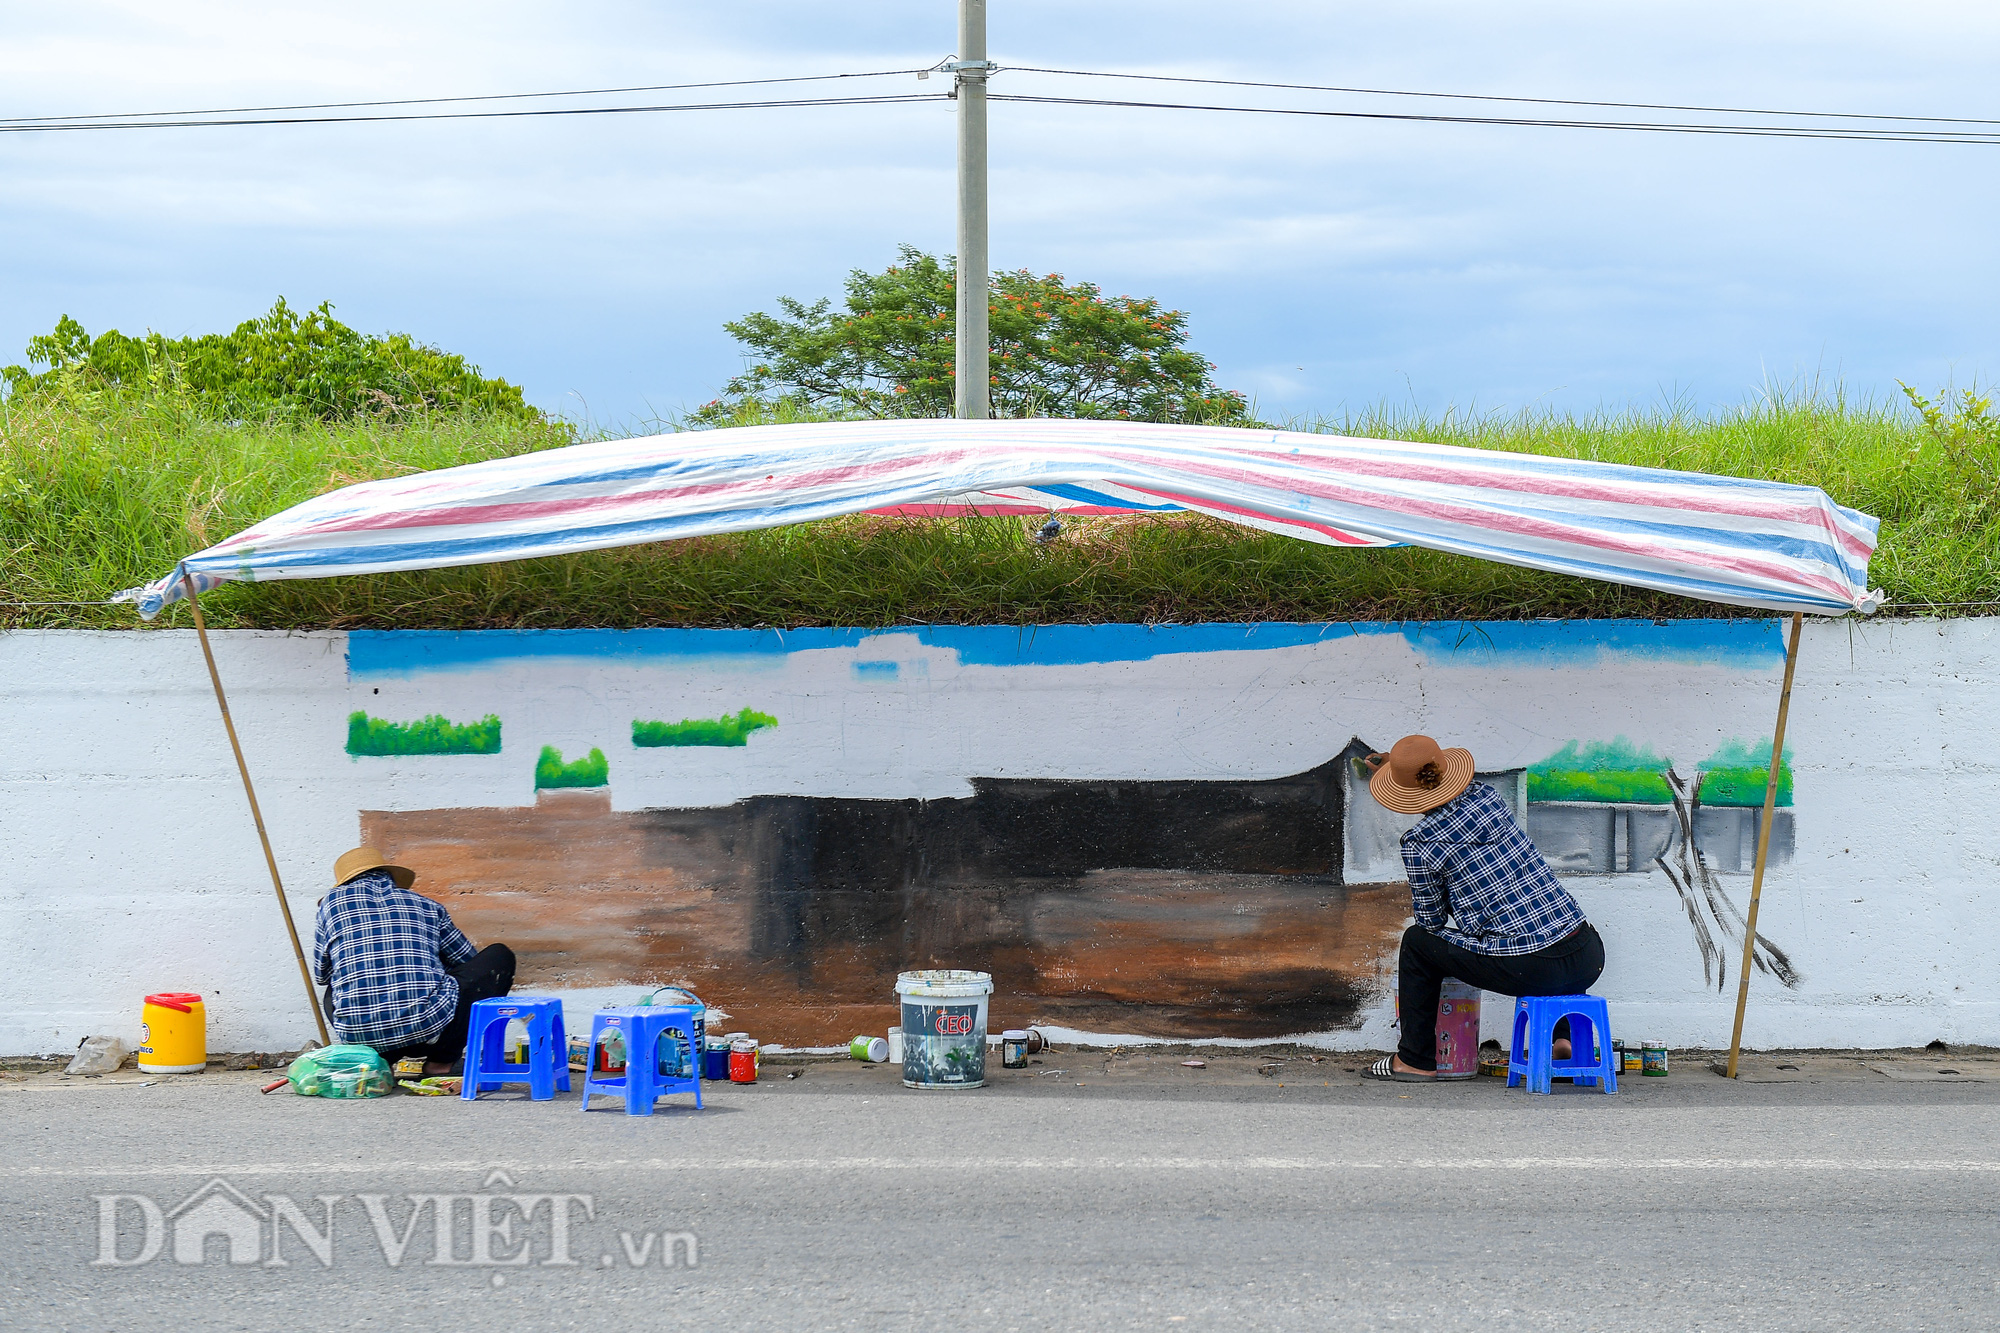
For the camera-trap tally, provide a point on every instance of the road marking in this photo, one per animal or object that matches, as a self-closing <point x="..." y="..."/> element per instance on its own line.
<point x="1032" y="1165"/>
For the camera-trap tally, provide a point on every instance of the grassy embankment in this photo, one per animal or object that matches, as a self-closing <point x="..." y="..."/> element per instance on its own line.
<point x="99" y="494"/>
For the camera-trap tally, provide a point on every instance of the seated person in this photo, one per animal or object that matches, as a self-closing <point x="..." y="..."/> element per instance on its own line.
<point x="1513" y="928"/>
<point x="399" y="976"/>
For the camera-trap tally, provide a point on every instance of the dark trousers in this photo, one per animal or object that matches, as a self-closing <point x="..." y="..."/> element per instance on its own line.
<point x="487" y="975"/>
<point x="1570" y="966"/>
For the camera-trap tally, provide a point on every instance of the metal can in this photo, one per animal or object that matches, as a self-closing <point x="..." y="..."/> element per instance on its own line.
<point x="743" y="1061"/>
<point x="1014" y="1049"/>
<point x="1631" y="1058"/>
<point x="1653" y="1059"/>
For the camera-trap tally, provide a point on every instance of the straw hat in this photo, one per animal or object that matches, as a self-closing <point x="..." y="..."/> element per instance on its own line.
<point x="1419" y="775"/>
<point x="363" y="859"/>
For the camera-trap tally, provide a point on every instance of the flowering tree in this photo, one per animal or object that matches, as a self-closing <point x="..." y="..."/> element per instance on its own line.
<point x="1059" y="349"/>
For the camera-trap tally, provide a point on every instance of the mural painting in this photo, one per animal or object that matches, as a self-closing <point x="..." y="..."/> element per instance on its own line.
<point x="791" y="885"/>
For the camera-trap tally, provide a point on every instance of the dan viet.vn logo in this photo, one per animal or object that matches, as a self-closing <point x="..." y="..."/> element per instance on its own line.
<point x="495" y="1227"/>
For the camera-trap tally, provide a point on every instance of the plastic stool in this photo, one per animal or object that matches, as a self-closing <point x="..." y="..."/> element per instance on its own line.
<point x="486" y="1063"/>
<point x="642" y="1083"/>
<point x="1532" y="1060"/>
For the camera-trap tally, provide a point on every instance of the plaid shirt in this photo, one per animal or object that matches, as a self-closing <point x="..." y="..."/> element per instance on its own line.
<point x="384" y="951"/>
<point x="1470" y="861"/>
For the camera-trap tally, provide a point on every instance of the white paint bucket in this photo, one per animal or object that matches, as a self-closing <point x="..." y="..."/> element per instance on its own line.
<point x="944" y="1028"/>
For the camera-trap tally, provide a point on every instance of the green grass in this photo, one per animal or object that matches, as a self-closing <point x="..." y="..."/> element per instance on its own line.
<point x="593" y="770"/>
<point x="701" y="730"/>
<point x="1618" y="772"/>
<point x="431" y="735"/>
<point x="99" y="493"/>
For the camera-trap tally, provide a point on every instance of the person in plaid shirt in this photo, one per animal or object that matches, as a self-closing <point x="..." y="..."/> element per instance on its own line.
<point x="399" y="976"/>
<point x="1489" y="910"/>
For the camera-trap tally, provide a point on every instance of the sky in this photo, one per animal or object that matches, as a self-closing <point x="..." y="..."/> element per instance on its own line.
<point x="1329" y="266"/>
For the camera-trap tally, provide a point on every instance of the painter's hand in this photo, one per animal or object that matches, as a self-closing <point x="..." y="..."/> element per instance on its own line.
<point x="1374" y="762"/>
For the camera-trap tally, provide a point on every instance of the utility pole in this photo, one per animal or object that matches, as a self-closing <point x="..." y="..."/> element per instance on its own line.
<point x="970" y="71"/>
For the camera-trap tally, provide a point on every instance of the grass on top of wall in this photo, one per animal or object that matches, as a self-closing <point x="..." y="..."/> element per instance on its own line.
<point x="101" y="493"/>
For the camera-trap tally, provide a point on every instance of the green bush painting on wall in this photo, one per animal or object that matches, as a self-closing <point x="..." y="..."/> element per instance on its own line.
<point x="593" y="770"/>
<point x="1618" y="772"/>
<point x="701" y="730"/>
<point x="431" y="735"/>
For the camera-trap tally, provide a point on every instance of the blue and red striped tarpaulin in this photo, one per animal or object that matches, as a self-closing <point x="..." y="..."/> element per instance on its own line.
<point x="1724" y="539"/>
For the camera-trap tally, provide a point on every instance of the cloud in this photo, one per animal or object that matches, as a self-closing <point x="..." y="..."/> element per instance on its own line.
<point x="598" y="256"/>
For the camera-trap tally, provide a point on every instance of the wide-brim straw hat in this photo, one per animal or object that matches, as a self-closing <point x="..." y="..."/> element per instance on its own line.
<point x="1420" y="775"/>
<point x="363" y="859"/>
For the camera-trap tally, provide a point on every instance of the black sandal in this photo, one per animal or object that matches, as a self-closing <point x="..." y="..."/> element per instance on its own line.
<point x="1385" y="1071"/>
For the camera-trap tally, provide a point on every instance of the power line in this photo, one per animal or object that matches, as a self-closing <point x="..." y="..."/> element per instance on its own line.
<point x="1494" y="97"/>
<point x="477" y="97"/>
<point x="1753" y="131"/>
<point x="474" y="115"/>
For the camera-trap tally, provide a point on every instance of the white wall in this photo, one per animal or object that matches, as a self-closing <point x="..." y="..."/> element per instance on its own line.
<point x="133" y="865"/>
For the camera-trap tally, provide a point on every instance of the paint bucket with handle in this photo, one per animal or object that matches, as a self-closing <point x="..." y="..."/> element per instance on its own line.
<point x="173" y="1034"/>
<point x="944" y="1028"/>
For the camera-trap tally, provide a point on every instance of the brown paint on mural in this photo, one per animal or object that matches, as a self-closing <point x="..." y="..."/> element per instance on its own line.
<point x="1151" y="908"/>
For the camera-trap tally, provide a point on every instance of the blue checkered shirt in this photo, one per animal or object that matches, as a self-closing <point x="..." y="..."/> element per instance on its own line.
<point x="1470" y="861"/>
<point x="384" y="950"/>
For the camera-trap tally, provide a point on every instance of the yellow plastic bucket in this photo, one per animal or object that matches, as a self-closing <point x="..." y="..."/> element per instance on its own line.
<point x="173" y="1034"/>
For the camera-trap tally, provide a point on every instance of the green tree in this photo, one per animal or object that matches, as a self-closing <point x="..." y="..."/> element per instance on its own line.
<point x="281" y="363"/>
<point x="1059" y="349"/>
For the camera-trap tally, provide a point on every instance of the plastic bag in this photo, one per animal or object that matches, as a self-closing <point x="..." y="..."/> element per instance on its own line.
<point x="340" y="1071"/>
<point x="97" y="1055"/>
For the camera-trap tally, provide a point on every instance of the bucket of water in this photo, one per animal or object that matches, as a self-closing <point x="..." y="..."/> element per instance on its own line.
<point x="944" y="1028"/>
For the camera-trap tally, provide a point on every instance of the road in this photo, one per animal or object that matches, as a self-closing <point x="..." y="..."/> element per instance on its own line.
<point x="1109" y="1195"/>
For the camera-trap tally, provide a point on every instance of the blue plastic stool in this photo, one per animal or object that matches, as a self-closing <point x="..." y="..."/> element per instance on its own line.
<point x="1532" y="1059"/>
<point x="486" y="1063"/>
<point x="642" y="1083"/>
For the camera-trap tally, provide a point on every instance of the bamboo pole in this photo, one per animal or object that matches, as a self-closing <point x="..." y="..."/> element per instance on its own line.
<point x="1764" y="842"/>
<point x="270" y="860"/>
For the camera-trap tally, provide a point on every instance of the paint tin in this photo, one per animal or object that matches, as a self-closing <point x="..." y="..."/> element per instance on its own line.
<point x="1457" y="1029"/>
<point x="895" y="1046"/>
<point x="743" y="1061"/>
<point x="1653" y="1060"/>
<point x="874" y="1050"/>
<point x="1013" y="1049"/>
<point x="1037" y="1043"/>
<point x="944" y="1027"/>
<point x="1631" y="1058"/>
<point x="715" y="1060"/>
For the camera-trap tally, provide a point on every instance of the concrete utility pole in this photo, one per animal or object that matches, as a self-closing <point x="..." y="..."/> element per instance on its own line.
<point x="970" y="70"/>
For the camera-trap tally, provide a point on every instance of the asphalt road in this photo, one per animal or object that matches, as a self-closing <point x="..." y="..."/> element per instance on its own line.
<point x="1143" y="1196"/>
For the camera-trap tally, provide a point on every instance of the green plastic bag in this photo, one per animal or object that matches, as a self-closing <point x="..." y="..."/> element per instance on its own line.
<point x="340" y="1071"/>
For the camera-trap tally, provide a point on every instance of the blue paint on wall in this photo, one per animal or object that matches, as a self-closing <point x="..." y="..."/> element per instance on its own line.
<point x="877" y="670"/>
<point x="1745" y="644"/>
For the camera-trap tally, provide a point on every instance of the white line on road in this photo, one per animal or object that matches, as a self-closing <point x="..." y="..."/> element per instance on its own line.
<point x="1029" y="1165"/>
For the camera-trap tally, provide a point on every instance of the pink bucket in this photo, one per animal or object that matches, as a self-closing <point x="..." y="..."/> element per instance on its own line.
<point x="1458" y="1029"/>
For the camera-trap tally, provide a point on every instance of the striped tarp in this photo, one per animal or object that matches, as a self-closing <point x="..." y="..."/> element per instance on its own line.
<point x="1724" y="539"/>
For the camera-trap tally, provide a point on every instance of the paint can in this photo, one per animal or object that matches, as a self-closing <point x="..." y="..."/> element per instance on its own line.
<point x="173" y="1034"/>
<point x="1014" y="1049"/>
<point x="1037" y="1043"/>
<point x="1631" y="1058"/>
<point x="873" y="1050"/>
<point x="1457" y="1029"/>
<point x="895" y="1046"/>
<point x="944" y="1027"/>
<point x="1653" y="1060"/>
<point x="715" y="1060"/>
<point x="743" y="1061"/>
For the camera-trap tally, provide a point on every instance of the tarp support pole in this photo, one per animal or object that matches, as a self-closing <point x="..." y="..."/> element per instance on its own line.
<point x="1763" y="843"/>
<point x="270" y="860"/>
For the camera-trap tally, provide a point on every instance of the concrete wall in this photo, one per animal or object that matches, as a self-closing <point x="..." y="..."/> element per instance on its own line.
<point x="1142" y="832"/>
